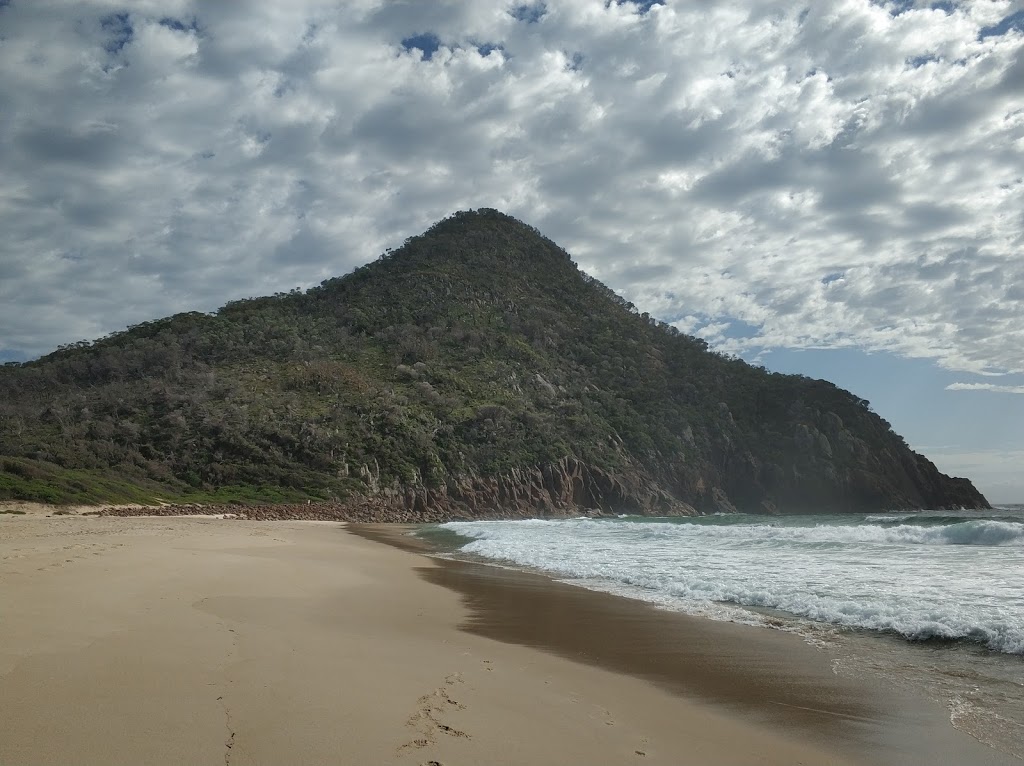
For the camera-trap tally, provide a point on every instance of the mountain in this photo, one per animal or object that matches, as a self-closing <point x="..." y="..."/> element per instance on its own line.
<point x="475" y="370"/>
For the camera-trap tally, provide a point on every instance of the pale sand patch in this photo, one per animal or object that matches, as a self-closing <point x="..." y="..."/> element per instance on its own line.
<point x="29" y="508"/>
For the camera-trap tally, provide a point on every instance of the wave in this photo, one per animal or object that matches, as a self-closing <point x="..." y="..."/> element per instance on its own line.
<point x="890" y="517"/>
<point x="698" y="595"/>
<point x="865" y="577"/>
<point x="912" y="623"/>
<point x="931" y="519"/>
<point x="945" y="622"/>
<point x="980" y="532"/>
<point x="958" y="533"/>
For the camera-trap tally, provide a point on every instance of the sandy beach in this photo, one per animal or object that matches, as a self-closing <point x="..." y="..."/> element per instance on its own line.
<point x="218" y="641"/>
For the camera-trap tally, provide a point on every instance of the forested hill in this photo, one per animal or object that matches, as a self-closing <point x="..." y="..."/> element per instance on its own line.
<point x="473" y="371"/>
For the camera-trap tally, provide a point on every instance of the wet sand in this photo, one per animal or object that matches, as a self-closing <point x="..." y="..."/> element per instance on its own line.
<point x="772" y="677"/>
<point x="192" y="640"/>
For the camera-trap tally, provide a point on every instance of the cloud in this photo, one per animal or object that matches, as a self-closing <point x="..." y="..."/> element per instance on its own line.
<point x="849" y="175"/>
<point x="985" y="387"/>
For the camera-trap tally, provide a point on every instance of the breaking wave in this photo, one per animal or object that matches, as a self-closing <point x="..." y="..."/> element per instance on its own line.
<point x="946" y="578"/>
<point x="959" y="533"/>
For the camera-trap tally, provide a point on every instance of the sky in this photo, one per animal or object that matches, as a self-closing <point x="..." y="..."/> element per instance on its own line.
<point x="835" y="189"/>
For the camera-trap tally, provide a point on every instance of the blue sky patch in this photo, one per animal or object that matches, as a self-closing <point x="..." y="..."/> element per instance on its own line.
<point x="530" y="13"/>
<point x="427" y="42"/>
<point x="485" y="49"/>
<point x="192" y="25"/>
<point x="739" y="329"/>
<point x="916" y="62"/>
<point x="12" y="354"/>
<point x="642" y="6"/>
<point x="835" y="276"/>
<point x="1013" y="21"/>
<point x="119" y="31"/>
<point x="898" y="7"/>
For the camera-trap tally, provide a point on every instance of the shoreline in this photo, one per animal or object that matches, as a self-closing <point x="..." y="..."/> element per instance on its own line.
<point x="770" y="676"/>
<point x="196" y="640"/>
<point x="395" y="508"/>
<point x="204" y="640"/>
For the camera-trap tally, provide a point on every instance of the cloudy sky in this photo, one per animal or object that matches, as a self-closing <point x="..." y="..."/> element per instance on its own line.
<point x="836" y="189"/>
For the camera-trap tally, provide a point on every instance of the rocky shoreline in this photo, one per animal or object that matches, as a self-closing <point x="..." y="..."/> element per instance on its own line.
<point x="367" y="512"/>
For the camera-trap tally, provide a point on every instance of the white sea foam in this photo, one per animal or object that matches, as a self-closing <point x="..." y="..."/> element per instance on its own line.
<point x="973" y="532"/>
<point x="946" y="577"/>
<point x="982" y="532"/>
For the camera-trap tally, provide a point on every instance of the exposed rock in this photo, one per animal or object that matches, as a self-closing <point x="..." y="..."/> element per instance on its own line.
<point x="545" y="385"/>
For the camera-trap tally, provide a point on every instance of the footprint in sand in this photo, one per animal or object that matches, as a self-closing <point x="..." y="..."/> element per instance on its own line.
<point x="431" y="708"/>
<point x="606" y="715"/>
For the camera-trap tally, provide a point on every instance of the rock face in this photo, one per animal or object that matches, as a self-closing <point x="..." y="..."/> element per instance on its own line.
<point x="566" y="487"/>
<point x="473" y="372"/>
<point x="571" y="488"/>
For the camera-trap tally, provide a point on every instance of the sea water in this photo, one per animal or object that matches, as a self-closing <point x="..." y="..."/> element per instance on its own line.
<point x="933" y="601"/>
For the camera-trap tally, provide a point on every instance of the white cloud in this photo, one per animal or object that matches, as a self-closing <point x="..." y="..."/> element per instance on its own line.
<point x="848" y="175"/>
<point x="985" y="387"/>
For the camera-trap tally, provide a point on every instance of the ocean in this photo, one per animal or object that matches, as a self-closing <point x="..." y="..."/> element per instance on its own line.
<point x="932" y="602"/>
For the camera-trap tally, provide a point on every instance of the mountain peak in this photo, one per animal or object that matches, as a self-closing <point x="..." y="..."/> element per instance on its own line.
<point x="483" y="234"/>
<point x="474" y="370"/>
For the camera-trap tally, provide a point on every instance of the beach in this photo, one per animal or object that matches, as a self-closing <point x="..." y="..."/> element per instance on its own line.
<point x="222" y="641"/>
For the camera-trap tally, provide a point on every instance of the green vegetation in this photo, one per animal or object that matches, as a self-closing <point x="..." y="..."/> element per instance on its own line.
<point x="475" y="349"/>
